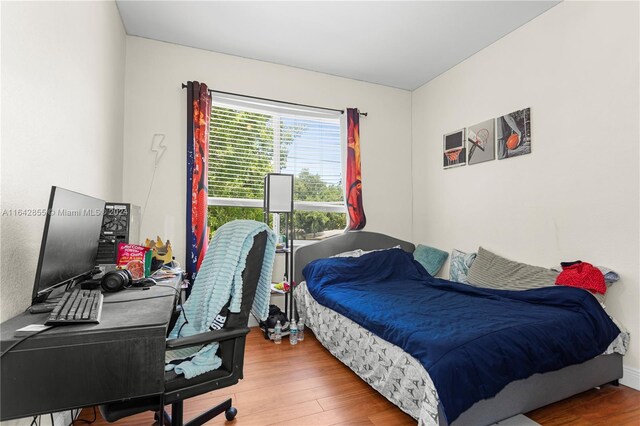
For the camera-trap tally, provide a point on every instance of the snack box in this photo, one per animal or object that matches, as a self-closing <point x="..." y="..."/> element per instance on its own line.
<point x="133" y="257"/>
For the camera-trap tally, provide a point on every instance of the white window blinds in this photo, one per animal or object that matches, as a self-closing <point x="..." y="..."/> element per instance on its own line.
<point x="251" y="138"/>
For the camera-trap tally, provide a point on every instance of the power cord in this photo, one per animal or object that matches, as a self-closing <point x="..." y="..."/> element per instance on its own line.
<point x="135" y="300"/>
<point x="20" y="341"/>
<point x="184" y="314"/>
<point x="171" y="287"/>
<point x="146" y="298"/>
<point x="178" y="293"/>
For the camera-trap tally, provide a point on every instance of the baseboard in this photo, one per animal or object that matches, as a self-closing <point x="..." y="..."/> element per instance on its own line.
<point x="631" y="377"/>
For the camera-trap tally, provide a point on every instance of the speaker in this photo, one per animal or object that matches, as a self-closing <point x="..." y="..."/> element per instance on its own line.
<point x="120" y="224"/>
<point x="116" y="280"/>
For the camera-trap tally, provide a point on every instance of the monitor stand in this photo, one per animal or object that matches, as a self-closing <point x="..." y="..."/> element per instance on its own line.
<point x="48" y="297"/>
<point x="46" y="301"/>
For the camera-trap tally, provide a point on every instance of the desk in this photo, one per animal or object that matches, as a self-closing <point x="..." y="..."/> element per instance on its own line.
<point x="75" y="366"/>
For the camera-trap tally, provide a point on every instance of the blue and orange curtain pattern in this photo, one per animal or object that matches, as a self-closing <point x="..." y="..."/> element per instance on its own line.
<point x="198" y="117"/>
<point x="357" y="219"/>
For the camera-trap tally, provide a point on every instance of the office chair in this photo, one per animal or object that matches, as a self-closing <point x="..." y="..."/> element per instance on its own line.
<point x="231" y="339"/>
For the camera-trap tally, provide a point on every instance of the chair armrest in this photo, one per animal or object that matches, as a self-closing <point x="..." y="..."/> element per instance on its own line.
<point x="207" y="337"/>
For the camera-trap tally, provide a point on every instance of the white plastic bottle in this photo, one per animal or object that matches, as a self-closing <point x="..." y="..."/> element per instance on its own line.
<point x="277" y="333"/>
<point x="293" y="333"/>
<point x="300" y="331"/>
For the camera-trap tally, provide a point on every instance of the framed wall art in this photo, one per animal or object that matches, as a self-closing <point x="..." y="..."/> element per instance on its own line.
<point x="481" y="142"/>
<point x="513" y="132"/>
<point x="454" y="151"/>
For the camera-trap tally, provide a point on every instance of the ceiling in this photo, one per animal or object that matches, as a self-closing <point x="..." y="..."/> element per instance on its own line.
<point x="401" y="44"/>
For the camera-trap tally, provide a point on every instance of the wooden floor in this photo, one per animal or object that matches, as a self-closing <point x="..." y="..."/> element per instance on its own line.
<point x="305" y="385"/>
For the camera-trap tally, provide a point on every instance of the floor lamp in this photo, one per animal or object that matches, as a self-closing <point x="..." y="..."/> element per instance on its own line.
<point x="278" y="198"/>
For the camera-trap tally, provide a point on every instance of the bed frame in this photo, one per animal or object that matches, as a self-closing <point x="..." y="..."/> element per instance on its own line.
<point x="518" y="397"/>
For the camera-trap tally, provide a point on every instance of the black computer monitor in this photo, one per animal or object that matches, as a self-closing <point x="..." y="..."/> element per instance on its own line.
<point x="69" y="242"/>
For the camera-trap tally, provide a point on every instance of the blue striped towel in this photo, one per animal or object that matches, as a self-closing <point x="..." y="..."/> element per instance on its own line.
<point x="219" y="280"/>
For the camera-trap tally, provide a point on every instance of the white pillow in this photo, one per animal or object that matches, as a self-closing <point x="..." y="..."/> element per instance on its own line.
<point x="352" y="253"/>
<point x="371" y="251"/>
<point x="360" y="252"/>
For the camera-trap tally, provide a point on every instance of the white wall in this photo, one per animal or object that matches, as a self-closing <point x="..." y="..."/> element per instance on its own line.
<point x="156" y="104"/>
<point x="576" y="195"/>
<point x="62" y="121"/>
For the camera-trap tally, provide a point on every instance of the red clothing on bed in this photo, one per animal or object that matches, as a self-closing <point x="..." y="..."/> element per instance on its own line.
<point x="582" y="275"/>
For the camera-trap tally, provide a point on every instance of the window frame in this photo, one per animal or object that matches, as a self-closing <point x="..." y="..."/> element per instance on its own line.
<point x="317" y="206"/>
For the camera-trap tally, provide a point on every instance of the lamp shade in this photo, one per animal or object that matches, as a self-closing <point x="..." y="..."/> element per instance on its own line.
<point x="278" y="193"/>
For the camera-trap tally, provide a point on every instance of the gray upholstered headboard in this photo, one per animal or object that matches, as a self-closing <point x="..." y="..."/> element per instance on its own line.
<point x="344" y="242"/>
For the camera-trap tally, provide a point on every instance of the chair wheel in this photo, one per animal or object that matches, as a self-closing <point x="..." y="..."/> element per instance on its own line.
<point x="231" y="413"/>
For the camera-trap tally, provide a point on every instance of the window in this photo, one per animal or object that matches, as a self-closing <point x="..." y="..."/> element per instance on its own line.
<point x="249" y="139"/>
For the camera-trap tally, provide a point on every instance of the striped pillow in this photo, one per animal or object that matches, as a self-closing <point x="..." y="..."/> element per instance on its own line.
<point x="492" y="271"/>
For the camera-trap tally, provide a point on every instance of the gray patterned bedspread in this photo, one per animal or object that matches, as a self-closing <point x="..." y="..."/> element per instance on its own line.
<point x="387" y="368"/>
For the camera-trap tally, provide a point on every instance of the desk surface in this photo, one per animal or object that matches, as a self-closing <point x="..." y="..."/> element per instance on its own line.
<point x="74" y="366"/>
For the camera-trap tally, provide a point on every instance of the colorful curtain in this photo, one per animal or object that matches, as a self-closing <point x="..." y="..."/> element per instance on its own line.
<point x="357" y="219"/>
<point x="198" y="117"/>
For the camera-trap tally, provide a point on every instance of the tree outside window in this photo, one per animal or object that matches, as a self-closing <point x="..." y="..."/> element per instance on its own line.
<point x="245" y="145"/>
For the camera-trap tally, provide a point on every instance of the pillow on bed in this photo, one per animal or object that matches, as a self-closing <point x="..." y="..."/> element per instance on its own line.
<point x="459" y="266"/>
<point x="610" y="276"/>
<point x="371" y="251"/>
<point x="352" y="253"/>
<point x="492" y="271"/>
<point x="431" y="258"/>
<point x="360" y="252"/>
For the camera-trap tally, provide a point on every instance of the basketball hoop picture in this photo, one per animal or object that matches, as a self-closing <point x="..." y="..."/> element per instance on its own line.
<point x="513" y="132"/>
<point x="481" y="142"/>
<point x="455" y="153"/>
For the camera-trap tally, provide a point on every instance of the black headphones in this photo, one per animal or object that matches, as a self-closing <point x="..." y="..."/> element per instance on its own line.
<point x="121" y="279"/>
<point x="116" y="280"/>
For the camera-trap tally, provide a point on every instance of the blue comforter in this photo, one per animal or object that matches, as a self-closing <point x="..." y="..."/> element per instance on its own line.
<point x="472" y="341"/>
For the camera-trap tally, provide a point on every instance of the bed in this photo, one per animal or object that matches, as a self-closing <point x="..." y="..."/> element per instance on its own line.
<point x="403" y="380"/>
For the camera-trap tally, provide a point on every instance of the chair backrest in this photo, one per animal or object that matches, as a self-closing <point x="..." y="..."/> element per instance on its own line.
<point x="250" y="278"/>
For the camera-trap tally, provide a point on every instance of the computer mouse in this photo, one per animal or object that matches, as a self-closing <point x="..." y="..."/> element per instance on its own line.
<point x="144" y="282"/>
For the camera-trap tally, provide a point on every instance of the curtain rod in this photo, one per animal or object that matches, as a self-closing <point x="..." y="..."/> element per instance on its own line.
<point x="341" y="111"/>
